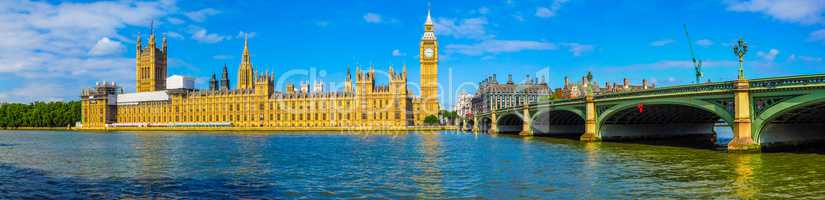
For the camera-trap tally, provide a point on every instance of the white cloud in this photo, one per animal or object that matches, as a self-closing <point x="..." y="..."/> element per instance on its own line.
<point x="578" y="49"/>
<point x="663" y="42"/>
<point x="552" y="10"/>
<point x="396" y="52"/>
<point x="518" y="17"/>
<point x="817" y="36"/>
<point x="769" y="56"/>
<point x="322" y="23"/>
<point x="31" y="91"/>
<point x="106" y="46"/>
<point x="241" y="35"/>
<point x="202" y="14"/>
<point x="221" y="57"/>
<point x="473" y="28"/>
<point x="45" y="41"/>
<point x="174" y="35"/>
<point x="372" y="18"/>
<point x="483" y="10"/>
<point x="810" y="59"/>
<point x="704" y="42"/>
<point x="201" y="35"/>
<point x="794" y="57"/>
<point x="500" y="46"/>
<point x="175" y="20"/>
<point x="797" y="11"/>
<point x="544" y="12"/>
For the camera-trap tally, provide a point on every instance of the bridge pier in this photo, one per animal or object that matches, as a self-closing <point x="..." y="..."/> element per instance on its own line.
<point x="590" y="132"/>
<point x="475" y="124"/>
<point x="493" y="125"/>
<point x="526" y="128"/>
<point x="742" y="139"/>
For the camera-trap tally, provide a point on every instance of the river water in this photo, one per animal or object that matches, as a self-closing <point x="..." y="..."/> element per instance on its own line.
<point x="65" y="165"/>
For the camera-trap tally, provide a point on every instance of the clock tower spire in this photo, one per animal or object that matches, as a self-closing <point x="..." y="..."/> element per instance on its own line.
<point x="428" y="57"/>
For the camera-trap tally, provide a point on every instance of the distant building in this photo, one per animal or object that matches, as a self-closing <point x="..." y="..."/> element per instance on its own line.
<point x="580" y="89"/>
<point x="463" y="105"/>
<point x="492" y="95"/>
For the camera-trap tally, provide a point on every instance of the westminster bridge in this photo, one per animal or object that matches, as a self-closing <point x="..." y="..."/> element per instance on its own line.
<point x="760" y="112"/>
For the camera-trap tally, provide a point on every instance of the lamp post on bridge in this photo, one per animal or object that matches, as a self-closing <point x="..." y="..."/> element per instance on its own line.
<point x="740" y="49"/>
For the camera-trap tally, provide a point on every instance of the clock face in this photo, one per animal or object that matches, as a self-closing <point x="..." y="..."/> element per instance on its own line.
<point x="428" y="52"/>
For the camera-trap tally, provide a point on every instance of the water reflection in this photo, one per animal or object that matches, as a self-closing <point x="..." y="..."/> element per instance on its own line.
<point x="154" y="156"/>
<point x="430" y="177"/>
<point x="745" y="166"/>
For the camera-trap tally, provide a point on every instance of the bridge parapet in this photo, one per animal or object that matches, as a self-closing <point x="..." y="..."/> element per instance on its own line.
<point x="788" y="81"/>
<point x="727" y="85"/>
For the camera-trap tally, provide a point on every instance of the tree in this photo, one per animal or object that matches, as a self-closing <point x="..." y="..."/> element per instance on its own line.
<point x="39" y="114"/>
<point x="431" y="120"/>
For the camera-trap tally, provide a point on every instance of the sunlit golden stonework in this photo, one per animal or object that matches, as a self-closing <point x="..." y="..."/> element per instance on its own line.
<point x="173" y="101"/>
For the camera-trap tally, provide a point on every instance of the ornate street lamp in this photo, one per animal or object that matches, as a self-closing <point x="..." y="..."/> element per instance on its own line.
<point x="740" y="49"/>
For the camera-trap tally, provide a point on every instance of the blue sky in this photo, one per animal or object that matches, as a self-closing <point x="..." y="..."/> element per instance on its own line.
<point x="52" y="49"/>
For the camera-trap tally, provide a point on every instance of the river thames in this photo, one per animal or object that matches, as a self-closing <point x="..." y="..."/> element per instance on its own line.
<point x="64" y="165"/>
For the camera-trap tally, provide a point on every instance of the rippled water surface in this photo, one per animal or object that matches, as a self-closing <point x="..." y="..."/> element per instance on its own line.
<point x="63" y="165"/>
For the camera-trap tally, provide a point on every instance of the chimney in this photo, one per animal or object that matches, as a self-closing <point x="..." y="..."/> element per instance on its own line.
<point x="644" y="84"/>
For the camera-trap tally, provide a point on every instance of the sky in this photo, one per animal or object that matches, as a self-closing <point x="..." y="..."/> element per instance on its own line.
<point x="50" y="50"/>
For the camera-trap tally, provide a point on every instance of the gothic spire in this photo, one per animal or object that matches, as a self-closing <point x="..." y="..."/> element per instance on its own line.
<point x="152" y="34"/>
<point x="139" y="45"/>
<point x="348" y="73"/>
<point x="225" y="74"/>
<point x="246" y="48"/>
<point x="429" y="19"/>
<point x="163" y="46"/>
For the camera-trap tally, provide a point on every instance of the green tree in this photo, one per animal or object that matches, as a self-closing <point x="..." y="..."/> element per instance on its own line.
<point x="431" y="120"/>
<point x="39" y="114"/>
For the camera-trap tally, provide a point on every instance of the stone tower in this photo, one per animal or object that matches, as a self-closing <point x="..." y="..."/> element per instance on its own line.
<point x="246" y="73"/>
<point x="428" y="56"/>
<point x="224" y="79"/>
<point x="213" y="83"/>
<point x="150" y="65"/>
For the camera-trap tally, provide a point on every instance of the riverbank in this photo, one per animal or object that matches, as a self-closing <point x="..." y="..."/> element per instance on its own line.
<point x="284" y="129"/>
<point x="40" y="128"/>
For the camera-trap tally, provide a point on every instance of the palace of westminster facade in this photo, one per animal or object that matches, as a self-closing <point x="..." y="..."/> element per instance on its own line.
<point x="255" y="103"/>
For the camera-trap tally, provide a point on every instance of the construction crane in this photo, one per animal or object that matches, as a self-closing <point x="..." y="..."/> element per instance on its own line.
<point x="697" y="64"/>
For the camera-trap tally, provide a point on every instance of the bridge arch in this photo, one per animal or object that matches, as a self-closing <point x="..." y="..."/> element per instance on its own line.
<point x="511" y="122"/>
<point x="794" y="121"/>
<point x="484" y="124"/>
<point x="559" y="122"/>
<point x="469" y="125"/>
<point x="681" y="119"/>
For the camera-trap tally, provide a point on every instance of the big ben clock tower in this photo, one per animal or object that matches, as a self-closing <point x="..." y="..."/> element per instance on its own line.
<point x="428" y="56"/>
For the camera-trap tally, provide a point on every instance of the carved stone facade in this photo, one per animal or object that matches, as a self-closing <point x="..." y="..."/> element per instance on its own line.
<point x="255" y="103"/>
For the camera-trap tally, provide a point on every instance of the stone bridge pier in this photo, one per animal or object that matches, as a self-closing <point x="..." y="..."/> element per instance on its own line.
<point x="742" y="139"/>
<point x="590" y="131"/>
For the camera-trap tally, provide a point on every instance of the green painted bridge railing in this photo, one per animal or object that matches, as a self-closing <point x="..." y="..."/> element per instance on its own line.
<point x="788" y="81"/>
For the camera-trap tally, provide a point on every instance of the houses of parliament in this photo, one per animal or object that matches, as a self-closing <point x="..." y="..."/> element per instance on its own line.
<point x="254" y="102"/>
